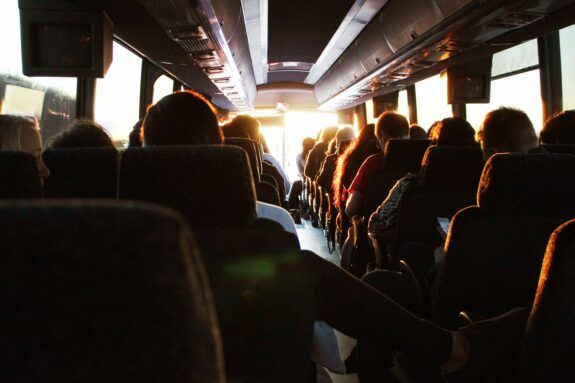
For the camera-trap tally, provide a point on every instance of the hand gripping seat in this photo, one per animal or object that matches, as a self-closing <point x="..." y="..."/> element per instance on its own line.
<point x="211" y="185"/>
<point x="81" y="173"/>
<point x="494" y="251"/>
<point x="449" y="177"/>
<point x="547" y="352"/>
<point x="19" y="176"/>
<point x="103" y="292"/>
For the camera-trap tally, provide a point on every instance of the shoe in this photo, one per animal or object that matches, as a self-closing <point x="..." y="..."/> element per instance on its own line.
<point x="493" y="343"/>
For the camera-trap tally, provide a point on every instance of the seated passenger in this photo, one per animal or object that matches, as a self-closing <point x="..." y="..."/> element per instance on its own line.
<point x="83" y="134"/>
<point x="342" y="300"/>
<point x="450" y="131"/>
<point x="249" y="127"/>
<point x="187" y="118"/>
<point x="343" y="138"/>
<point x="416" y="132"/>
<point x="389" y="125"/>
<point x="297" y="186"/>
<point x="559" y="129"/>
<point x="23" y="133"/>
<point x="318" y="153"/>
<point x="135" y="137"/>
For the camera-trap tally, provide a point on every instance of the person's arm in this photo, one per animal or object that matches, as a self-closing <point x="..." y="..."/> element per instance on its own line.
<point x="355" y="204"/>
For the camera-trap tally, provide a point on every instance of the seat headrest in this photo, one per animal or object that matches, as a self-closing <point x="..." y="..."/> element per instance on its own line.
<point x="19" y="177"/>
<point x="104" y="291"/>
<point x="404" y="155"/>
<point x="250" y="147"/>
<point x="81" y="172"/>
<point x="560" y="148"/>
<point x="211" y="185"/>
<point x="528" y="184"/>
<point x="452" y="168"/>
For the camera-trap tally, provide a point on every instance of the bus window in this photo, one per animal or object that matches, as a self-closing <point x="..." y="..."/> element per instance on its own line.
<point x="162" y="87"/>
<point x="567" y="40"/>
<point x="402" y="104"/>
<point x="118" y="94"/>
<point x="509" y="88"/>
<point x="432" y="103"/>
<point x="52" y="100"/>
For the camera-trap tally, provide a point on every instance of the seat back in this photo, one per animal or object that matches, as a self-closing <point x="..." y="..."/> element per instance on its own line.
<point x="550" y="332"/>
<point x="264" y="299"/>
<point x="401" y="157"/>
<point x="494" y="251"/>
<point x="19" y="177"/>
<point x="250" y="147"/>
<point x="103" y="292"/>
<point x="81" y="173"/>
<point x="560" y="148"/>
<point x="210" y="185"/>
<point x="449" y="178"/>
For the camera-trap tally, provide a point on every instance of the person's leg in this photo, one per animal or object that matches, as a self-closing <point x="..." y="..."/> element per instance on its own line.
<point x="294" y="195"/>
<point x="362" y="312"/>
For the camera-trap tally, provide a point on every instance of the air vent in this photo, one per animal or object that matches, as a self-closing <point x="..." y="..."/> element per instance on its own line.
<point x="208" y="55"/>
<point x="515" y="20"/>
<point x="192" y="32"/>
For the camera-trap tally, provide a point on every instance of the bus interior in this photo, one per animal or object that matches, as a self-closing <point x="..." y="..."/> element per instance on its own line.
<point x="260" y="260"/>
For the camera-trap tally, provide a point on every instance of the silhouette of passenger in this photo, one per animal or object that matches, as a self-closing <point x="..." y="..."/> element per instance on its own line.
<point x="23" y="134"/>
<point x="389" y="125"/>
<point x="559" y="129"/>
<point x="416" y="132"/>
<point x="82" y="134"/>
<point x="135" y="137"/>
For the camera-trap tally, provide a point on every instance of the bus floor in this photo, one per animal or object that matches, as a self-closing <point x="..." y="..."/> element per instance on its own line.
<point x="312" y="239"/>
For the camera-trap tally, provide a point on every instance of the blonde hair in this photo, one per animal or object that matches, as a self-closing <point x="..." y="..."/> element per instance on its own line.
<point x="10" y="130"/>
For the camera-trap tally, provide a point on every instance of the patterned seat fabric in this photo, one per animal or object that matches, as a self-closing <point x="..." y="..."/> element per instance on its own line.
<point x="452" y="168"/>
<point x="547" y="354"/>
<point x="210" y="185"/>
<point x="494" y="251"/>
<point x="19" y="175"/>
<point x="81" y="173"/>
<point x="250" y="147"/>
<point x="103" y="292"/>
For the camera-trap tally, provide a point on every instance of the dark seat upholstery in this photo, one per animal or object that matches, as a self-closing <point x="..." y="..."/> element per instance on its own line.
<point x="547" y="354"/>
<point x="250" y="148"/>
<point x="103" y="292"/>
<point x="449" y="178"/>
<point x="19" y="176"/>
<point x="81" y="173"/>
<point x="264" y="301"/>
<point x="494" y="251"/>
<point x="560" y="148"/>
<point x="401" y="157"/>
<point x="210" y="185"/>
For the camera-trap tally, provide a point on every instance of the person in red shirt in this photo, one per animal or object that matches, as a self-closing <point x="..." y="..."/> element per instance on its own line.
<point x="389" y="125"/>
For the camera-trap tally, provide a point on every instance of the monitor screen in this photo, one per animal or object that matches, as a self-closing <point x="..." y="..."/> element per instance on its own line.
<point x="61" y="45"/>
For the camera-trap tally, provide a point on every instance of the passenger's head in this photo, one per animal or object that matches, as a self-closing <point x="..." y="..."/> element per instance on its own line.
<point x="453" y="131"/>
<point x="135" y="138"/>
<point x="391" y="125"/>
<point x="182" y="118"/>
<point x="232" y="130"/>
<point x="559" y="129"/>
<point x="432" y="129"/>
<point x="506" y="130"/>
<point x="416" y="132"/>
<point x="343" y="138"/>
<point x="245" y="126"/>
<point x="307" y="145"/>
<point x="328" y="134"/>
<point x="23" y="134"/>
<point x="83" y="134"/>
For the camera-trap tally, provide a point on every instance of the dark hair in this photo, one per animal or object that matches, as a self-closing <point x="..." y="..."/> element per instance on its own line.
<point x="182" y="118"/>
<point x="234" y="130"/>
<point x="507" y="130"/>
<point x="350" y="161"/>
<point x="135" y="137"/>
<point x="453" y="131"/>
<point x="82" y="134"/>
<point x="247" y="126"/>
<point x="559" y="129"/>
<point x="328" y="134"/>
<point x="307" y="145"/>
<point x="392" y="125"/>
<point x="416" y="132"/>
